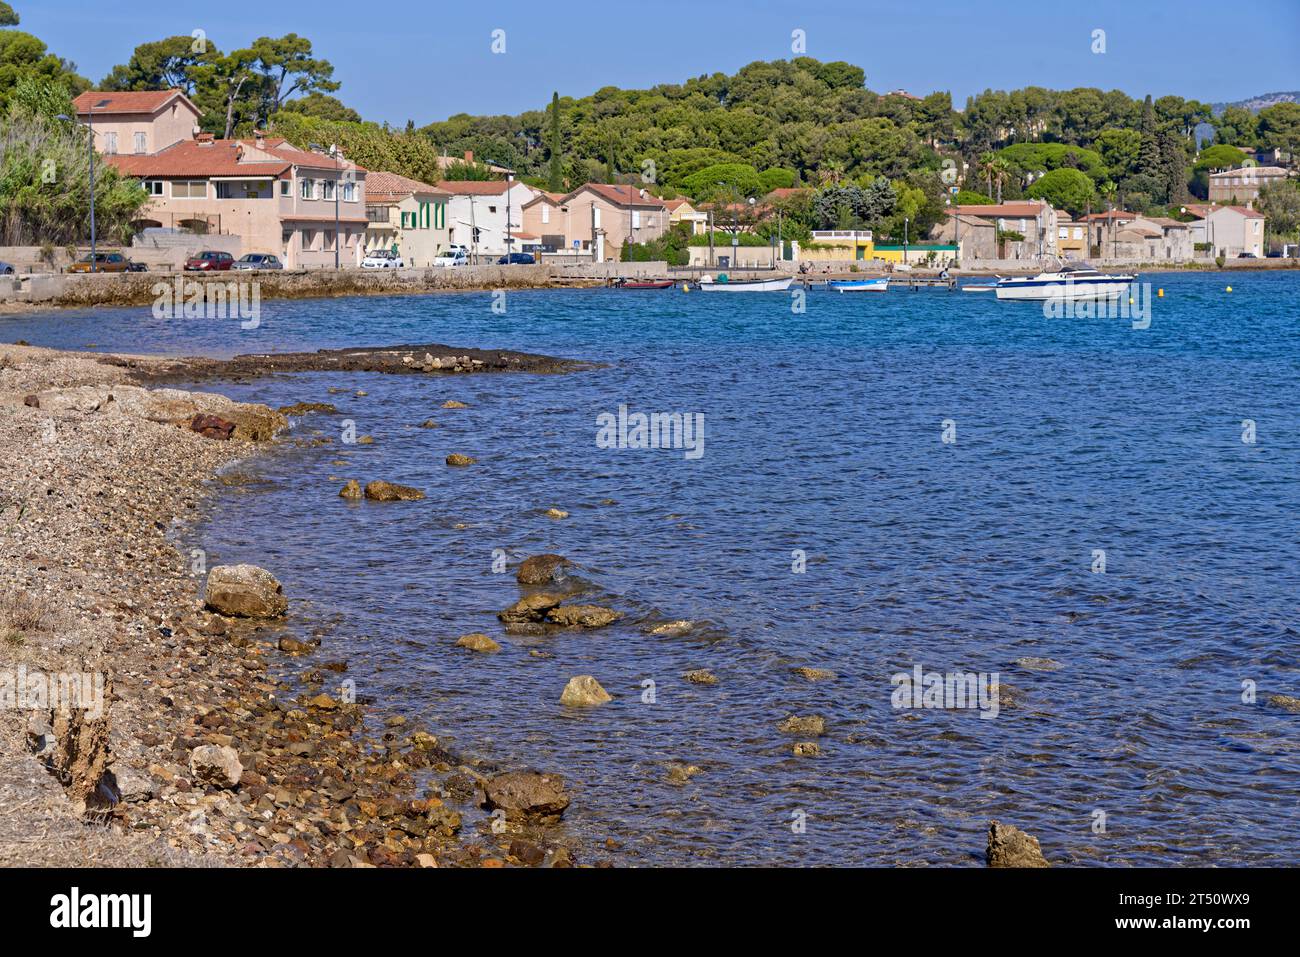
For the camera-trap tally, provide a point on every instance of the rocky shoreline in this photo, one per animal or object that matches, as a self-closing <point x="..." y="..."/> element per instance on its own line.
<point x="200" y="756"/>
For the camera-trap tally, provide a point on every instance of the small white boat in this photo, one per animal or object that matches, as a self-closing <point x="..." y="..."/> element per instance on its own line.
<point x="1070" y="282"/>
<point x="723" y="284"/>
<point x="859" y="285"/>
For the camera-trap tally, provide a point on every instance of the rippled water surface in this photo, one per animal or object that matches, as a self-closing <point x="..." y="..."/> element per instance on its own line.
<point x="823" y="433"/>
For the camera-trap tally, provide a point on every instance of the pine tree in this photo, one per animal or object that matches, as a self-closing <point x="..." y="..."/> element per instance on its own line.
<point x="556" y="183"/>
<point x="1149" y="163"/>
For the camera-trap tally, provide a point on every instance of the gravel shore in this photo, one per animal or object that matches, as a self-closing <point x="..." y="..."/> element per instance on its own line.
<point x="101" y="476"/>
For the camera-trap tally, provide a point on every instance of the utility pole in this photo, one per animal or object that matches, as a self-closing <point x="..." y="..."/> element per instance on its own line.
<point x="334" y="151"/>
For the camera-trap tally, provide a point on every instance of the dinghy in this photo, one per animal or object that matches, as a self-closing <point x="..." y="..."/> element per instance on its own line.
<point x="860" y="285"/>
<point x="723" y="284"/>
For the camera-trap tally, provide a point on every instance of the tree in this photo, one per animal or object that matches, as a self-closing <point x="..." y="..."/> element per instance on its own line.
<point x="326" y="107"/>
<point x="22" y="54"/>
<point x="1149" y="161"/>
<point x="737" y="178"/>
<point x="166" y="64"/>
<point x="1279" y="127"/>
<point x="556" y="182"/>
<point x="8" y="18"/>
<point x="1280" y="204"/>
<point x="1237" y="126"/>
<point x="1065" y="189"/>
<point x="287" y="67"/>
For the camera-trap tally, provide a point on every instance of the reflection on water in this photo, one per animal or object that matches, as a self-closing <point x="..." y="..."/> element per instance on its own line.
<point x="823" y="437"/>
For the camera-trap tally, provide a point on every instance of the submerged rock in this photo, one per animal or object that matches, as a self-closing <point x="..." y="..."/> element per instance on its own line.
<point x="214" y="766"/>
<point x="1011" y="847"/>
<point x="701" y="676"/>
<point x="671" y="629"/>
<point x="453" y="404"/>
<point x="1285" y="702"/>
<point x="428" y="424"/>
<point x="806" y="749"/>
<point x="583" y="616"/>
<point x="351" y="490"/>
<point x="1039" y="664"/>
<point x="302" y="408"/>
<point x="813" y="725"/>
<point x="679" y="772"/>
<point x="477" y="642"/>
<point x="245" y="591"/>
<point x="584" y="691"/>
<point x="556" y="513"/>
<point x="530" y="608"/>
<point x="526" y="796"/>
<point x="381" y="491"/>
<point x="457" y="460"/>
<point x="540" y="569"/>
<point x="815" y="674"/>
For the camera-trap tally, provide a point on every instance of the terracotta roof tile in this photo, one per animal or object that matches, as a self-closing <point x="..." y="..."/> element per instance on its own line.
<point x="381" y="185"/>
<point x="141" y="101"/>
<point x="471" y="187"/>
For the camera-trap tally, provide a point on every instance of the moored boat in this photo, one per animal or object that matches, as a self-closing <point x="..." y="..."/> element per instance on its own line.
<point x="1071" y="282"/>
<point x="644" y="284"/>
<point x="859" y="285"/>
<point x="723" y="284"/>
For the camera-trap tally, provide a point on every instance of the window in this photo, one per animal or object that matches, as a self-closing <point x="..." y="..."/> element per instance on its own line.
<point x="327" y="189"/>
<point x="349" y="192"/>
<point x="492" y="209"/>
<point x="424" y="215"/>
<point x="238" y="190"/>
<point x="1078" y="232"/>
<point x="189" y="189"/>
<point x="546" y="213"/>
<point x="140" y="143"/>
<point x="154" y="187"/>
<point x="285" y="187"/>
<point x="110" y="143"/>
<point x="636" y="219"/>
<point x="1063" y="233"/>
<point x="406" y="220"/>
<point x="306" y="187"/>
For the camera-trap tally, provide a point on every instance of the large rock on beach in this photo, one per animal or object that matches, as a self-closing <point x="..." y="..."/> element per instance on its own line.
<point x="381" y="491"/>
<point x="583" y="616"/>
<point x="214" y="766"/>
<point x="540" y="569"/>
<point x="526" y="796"/>
<point x="251" y="421"/>
<point x="584" y="691"/>
<point x="245" y="591"/>
<point x="1011" y="847"/>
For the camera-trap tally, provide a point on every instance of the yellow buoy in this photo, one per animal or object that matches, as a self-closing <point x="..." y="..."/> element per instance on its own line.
<point x="686" y="287"/>
<point x="1130" y="300"/>
<point x="1229" y="289"/>
<point x="1160" y="294"/>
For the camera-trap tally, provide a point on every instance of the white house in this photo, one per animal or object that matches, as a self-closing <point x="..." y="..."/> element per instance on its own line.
<point x="477" y="214"/>
<point x="1230" y="230"/>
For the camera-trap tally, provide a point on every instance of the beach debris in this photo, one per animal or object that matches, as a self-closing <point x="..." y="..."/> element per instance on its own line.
<point x="806" y="749"/>
<point x="1009" y="846"/>
<point x="477" y="642"/>
<point x="701" y="676"/>
<point x="526" y="796"/>
<point x="556" y="513"/>
<point x="583" y="616"/>
<point x="814" y="674"/>
<point x="459" y="461"/>
<point x="302" y="408"/>
<point x="245" y="591"/>
<point x="530" y="608"/>
<point x="813" y="725"/>
<point x="381" y="491"/>
<point x="584" y="691"/>
<point x="351" y="490"/>
<point x="216" y="766"/>
<point x="540" y="569"/>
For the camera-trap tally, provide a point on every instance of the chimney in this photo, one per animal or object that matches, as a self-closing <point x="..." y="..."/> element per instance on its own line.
<point x="259" y="137"/>
<point x="204" y="138"/>
<point x="469" y="156"/>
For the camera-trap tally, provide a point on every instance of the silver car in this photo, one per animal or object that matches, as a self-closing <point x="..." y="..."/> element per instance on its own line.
<point x="257" y="261"/>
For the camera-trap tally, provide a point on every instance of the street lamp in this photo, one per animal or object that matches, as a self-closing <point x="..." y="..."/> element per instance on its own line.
<point x="334" y="152"/>
<point x="510" y="179"/>
<point x="91" y="146"/>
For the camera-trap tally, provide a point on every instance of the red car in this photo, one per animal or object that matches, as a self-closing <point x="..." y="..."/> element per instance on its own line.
<point x="209" y="260"/>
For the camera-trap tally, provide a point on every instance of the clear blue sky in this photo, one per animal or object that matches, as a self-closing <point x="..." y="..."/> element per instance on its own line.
<point x="427" y="59"/>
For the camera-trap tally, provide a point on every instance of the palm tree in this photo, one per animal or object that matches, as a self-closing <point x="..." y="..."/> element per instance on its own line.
<point x="986" y="161"/>
<point x="1000" y="172"/>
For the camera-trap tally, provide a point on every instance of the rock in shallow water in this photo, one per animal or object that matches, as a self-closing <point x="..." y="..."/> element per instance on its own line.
<point x="812" y="725"/>
<point x="352" y="490"/>
<point x="1011" y="847"/>
<point x="526" y="796"/>
<point x="530" y="608"/>
<point x="477" y="642"/>
<point x="584" y="691"/>
<point x="245" y="591"/>
<point x="456" y="460"/>
<point x="701" y="676"/>
<point x="381" y="491"/>
<point x="540" y="569"/>
<point x="583" y="616"/>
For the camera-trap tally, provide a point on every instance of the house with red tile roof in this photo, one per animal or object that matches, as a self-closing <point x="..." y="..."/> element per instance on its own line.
<point x="1019" y="229"/>
<point x="487" y="216"/>
<point x="297" y="204"/>
<point x="407" y="216"/>
<point x="1229" y="230"/>
<point x="602" y="216"/>
<point x="137" y="122"/>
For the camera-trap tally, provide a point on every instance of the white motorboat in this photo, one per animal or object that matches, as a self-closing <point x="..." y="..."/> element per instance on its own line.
<point x="1070" y="282"/>
<point x="860" y="285"/>
<point x="723" y="284"/>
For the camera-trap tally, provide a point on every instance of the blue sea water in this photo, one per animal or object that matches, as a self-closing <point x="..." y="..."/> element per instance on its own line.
<point x="1133" y="739"/>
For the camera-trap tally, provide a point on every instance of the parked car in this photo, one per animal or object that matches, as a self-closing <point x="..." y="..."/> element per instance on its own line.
<point x="210" y="260"/>
<point x="517" y="259"/>
<point x="383" y="259"/>
<point x="455" y="256"/>
<point x="257" y="261"/>
<point x="6" y="269"/>
<point x="1246" y="256"/>
<point x="133" y="266"/>
<point x="103" y="262"/>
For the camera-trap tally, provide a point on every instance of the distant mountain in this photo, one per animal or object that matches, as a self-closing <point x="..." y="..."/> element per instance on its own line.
<point x="1257" y="103"/>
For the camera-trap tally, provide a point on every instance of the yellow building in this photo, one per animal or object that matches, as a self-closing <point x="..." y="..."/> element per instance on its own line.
<point x="917" y="254"/>
<point x="834" y="245"/>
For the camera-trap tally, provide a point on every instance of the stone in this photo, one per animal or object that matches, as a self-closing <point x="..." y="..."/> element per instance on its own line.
<point x="815" y="674"/>
<point x="365" y="440"/>
<point x="453" y="404"/>
<point x="806" y="749"/>
<point x="428" y="424"/>
<point x="556" y="513"/>
<point x="293" y="646"/>
<point x="813" y="725"/>
<point x="456" y="460"/>
<point x="215" y="766"/>
<point x="477" y="642"/>
<point x="1285" y="702"/>
<point x="530" y="608"/>
<point x="526" y="796"/>
<point x="381" y="491"/>
<point x="680" y="773"/>
<point x="701" y="676"/>
<point x="540" y="569"/>
<point x="583" y="616"/>
<point x="352" y="490"/>
<point x="584" y="691"/>
<point x="526" y="852"/>
<point x="1039" y="664"/>
<point x="426" y="860"/>
<point x="1011" y="847"/>
<point x="302" y="408"/>
<point x="212" y="426"/>
<point x="245" y="591"/>
<point x="671" y="629"/>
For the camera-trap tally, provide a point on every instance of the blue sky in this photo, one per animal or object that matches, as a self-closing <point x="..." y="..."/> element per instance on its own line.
<point x="427" y="59"/>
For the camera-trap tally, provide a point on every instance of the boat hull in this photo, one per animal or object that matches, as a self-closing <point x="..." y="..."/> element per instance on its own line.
<point x="865" y="285"/>
<point x="753" y="285"/>
<point x="1072" y="290"/>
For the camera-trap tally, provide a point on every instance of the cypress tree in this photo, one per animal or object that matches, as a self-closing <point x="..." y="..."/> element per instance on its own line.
<point x="556" y="183"/>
